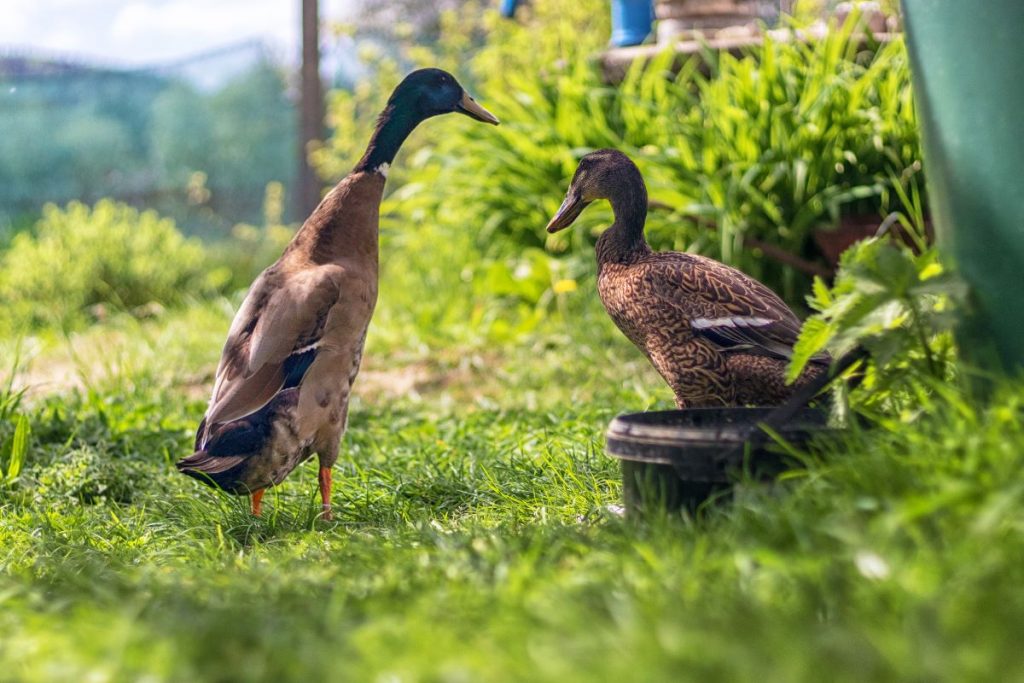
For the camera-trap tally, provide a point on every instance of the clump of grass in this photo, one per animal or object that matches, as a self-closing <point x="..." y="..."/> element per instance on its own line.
<point x="790" y="138"/>
<point x="110" y="256"/>
<point x="12" y="456"/>
<point x="15" y="427"/>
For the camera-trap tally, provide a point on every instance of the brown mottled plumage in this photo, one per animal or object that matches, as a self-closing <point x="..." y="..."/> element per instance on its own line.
<point x="293" y="351"/>
<point x="717" y="336"/>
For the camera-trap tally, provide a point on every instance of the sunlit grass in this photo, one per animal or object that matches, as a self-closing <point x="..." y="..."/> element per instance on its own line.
<point x="473" y="538"/>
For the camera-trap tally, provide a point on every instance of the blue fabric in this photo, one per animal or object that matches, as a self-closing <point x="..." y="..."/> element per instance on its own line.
<point x="631" y="21"/>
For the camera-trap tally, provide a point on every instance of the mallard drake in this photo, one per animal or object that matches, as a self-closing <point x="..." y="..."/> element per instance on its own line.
<point x="717" y="336"/>
<point x="281" y="391"/>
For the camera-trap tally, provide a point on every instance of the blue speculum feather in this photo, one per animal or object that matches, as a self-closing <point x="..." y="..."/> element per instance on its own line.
<point x="244" y="436"/>
<point x="295" y="367"/>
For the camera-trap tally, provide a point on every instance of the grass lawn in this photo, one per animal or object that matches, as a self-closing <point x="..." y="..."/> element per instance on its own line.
<point x="473" y="538"/>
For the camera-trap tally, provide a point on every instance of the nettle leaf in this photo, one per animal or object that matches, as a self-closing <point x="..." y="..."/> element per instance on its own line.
<point x="888" y="316"/>
<point x="848" y="309"/>
<point x="944" y="285"/>
<point x="814" y="337"/>
<point x="886" y="348"/>
<point x="821" y="296"/>
<point x="893" y="302"/>
<point x="895" y="269"/>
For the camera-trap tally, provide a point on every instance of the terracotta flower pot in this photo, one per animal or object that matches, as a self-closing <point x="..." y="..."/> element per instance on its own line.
<point x="833" y="241"/>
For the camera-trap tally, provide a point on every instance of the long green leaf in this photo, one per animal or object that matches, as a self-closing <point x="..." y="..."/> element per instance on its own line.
<point x="18" y="450"/>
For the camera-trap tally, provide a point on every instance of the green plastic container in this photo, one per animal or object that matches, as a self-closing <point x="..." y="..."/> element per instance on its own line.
<point x="967" y="60"/>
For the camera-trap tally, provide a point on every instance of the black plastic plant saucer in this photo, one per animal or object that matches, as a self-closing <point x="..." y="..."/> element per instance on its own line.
<point x="679" y="458"/>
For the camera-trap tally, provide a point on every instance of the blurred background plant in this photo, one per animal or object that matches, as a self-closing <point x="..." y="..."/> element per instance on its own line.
<point x="749" y="158"/>
<point x="81" y="262"/>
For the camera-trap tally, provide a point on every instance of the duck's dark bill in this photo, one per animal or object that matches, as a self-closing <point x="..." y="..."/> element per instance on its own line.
<point x="567" y="213"/>
<point x="469" y="107"/>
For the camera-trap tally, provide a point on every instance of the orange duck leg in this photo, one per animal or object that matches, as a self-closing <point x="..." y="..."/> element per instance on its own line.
<point x="257" y="501"/>
<point x="325" y="491"/>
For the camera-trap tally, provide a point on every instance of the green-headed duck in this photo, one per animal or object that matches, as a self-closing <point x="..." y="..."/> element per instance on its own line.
<point x="282" y="388"/>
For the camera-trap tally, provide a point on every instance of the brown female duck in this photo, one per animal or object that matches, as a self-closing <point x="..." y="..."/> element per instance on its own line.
<point x="717" y="336"/>
<point x="282" y="388"/>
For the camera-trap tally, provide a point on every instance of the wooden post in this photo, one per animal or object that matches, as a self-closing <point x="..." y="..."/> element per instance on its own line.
<point x="311" y="110"/>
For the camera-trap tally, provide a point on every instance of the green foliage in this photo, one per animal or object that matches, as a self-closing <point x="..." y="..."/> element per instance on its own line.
<point x="252" y="128"/>
<point x="441" y="292"/>
<point x="789" y="140"/>
<point x="108" y="255"/>
<point x="13" y="455"/>
<point x="14" y="426"/>
<point x="72" y="137"/>
<point x="14" y="434"/>
<point x="884" y="298"/>
<point x="898" y="303"/>
<point x="87" y="477"/>
<point x="774" y="145"/>
<point x="180" y="133"/>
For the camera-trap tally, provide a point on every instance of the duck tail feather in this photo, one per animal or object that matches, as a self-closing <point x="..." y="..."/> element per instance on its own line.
<point x="201" y="461"/>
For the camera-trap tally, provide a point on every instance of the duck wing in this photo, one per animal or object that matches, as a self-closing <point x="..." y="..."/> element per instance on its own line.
<point x="273" y="340"/>
<point x="729" y="308"/>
